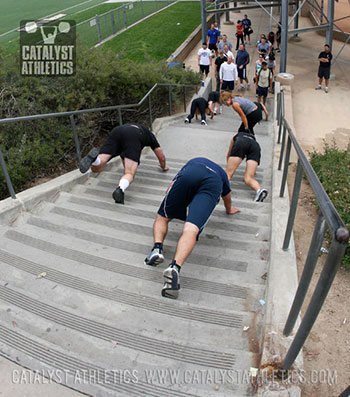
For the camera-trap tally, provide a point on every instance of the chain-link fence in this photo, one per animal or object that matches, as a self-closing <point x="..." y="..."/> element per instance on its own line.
<point x="100" y="27"/>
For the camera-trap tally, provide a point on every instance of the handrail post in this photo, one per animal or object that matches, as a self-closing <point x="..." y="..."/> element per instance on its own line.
<point x="7" y="176"/>
<point x="305" y="279"/>
<point x="286" y="165"/>
<point x="142" y="12"/>
<point x="282" y="145"/>
<point x="99" y="37"/>
<point x="120" y="116"/>
<point x="281" y="116"/>
<point x="150" y="111"/>
<point x="170" y="104"/>
<point x="184" y="99"/>
<point x="124" y="14"/>
<point x="293" y="205"/>
<point x="113" y="22"/>
<point x="76" y="138"/>
<point x="333" y="261"/>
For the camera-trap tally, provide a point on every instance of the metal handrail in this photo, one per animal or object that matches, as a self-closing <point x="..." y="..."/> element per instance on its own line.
<point x="328" y="218"/>
<point x="73" y="113"/>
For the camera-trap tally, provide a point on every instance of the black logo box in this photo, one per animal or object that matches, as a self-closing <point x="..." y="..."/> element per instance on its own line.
<point x="47" y="48"/>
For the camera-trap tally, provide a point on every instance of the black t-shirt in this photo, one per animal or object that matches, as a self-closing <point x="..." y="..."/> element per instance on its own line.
<point x="214" y="96"/>
<point x="219" y="61"/>
<point x="327" y="55"/>
<point x="146" y="138"/>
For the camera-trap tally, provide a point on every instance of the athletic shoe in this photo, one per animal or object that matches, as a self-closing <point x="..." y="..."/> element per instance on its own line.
<point x="318" y="87"/>
<point x="172" y="282"/>
<point x="261" y="195"/>
<point x="214" y="113"/>
<point x="187" y="120"/>
<point x="203" y="122"/>
<point x="118" y="195"/>
<point x="240" y="88"/>
<point x="85" y="162"/>
<point x="326" y="90"/>
<point x="155" y="257"/>
<point x="248" y="86"/>
<point x="220" y="109"/>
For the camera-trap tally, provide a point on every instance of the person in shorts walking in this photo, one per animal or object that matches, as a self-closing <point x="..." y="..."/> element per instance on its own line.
<point x="213" y="37"/>
<point x="244" y="145"/>
<point x="264" y="79"/>
<point x="247" y="24"/>
<point x="204" y="59"/>
<point x="126" y="141"/>
<point x="228" y="75"/>
<point x="191" y="197"/>
<point x="218" y="62"/>
<point x="324" y="69"/>
<point x="242" y="61"/>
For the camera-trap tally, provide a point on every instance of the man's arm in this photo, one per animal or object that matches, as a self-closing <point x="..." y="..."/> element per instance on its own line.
<point x="199" y="60"/>
<point x="236" y="106"/>
<point x="228" y="205"/>
<point x="161" y="158"/>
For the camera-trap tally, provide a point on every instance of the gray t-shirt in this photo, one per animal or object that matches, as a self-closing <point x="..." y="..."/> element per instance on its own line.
<point x="246" y="105"/>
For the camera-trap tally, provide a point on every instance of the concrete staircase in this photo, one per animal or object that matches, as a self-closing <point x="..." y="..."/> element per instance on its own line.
<point x="96" y="318"/>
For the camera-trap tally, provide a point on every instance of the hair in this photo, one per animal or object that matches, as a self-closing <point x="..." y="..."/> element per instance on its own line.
<point x="264" y="63"/>
<point x="239" y="21"/>
<point x="327" y="45"/>
<point x="204" y="43"/>
<point x="272" y="57"/>
<point x="224" y="35"/>
<point x="225" y="95"/>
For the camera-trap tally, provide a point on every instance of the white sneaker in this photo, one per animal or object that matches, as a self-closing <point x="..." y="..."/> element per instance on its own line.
<point x="220" y="109"/>
<point x="326" y="90"/>
<point x="203" y="122"/>
<point x="248" y="86"/>
<point x="261" y="195"/>
<point x="186" y="120"/>
<point x="318" y="87"/>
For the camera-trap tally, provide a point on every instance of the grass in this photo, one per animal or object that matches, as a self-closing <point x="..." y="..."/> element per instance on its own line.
<point x="91" y="12"/>
<point x="157" y="37"/>
<point x="333" y="169"/>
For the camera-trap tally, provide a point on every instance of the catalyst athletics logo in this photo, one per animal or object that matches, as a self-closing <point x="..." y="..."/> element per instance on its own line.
<point x="48" y="48"/>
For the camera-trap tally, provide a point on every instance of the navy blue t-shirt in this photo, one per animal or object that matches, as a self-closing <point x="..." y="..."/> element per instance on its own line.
<point x="213" y="36"/>
<point x="226" y="189"/>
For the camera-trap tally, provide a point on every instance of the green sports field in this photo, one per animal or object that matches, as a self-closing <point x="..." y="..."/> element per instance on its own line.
<point x="13" y="11"/>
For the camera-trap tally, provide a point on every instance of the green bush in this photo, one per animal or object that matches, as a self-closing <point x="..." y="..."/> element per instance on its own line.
<point x="333" y="169"/>
<point x="40" y="148"/>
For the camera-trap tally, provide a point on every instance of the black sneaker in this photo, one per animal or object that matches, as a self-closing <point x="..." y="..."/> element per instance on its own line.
<point x="172" y="282"/>
<point x="155" y="257"/>
<point x="85" y="162"/>
<point x="118" y="195"/>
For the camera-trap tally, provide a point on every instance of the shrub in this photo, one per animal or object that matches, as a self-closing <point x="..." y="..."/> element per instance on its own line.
<point x="39" y="148"/>
<point x="333" y="169"/>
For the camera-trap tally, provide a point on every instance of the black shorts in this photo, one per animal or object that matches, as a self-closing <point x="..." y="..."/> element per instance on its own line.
<point x="213" y="47"/>
<point x="252" y="118"/>
<point x="204" y="69"/>
<point x="263" y="91"/>
<point x="196" y="187"/>
<point x="246" y="31"/>
<point x="123" y="141"/>
<point x="323" y="72"/>
<point x="242" y="73"/>
<point x="245" y="146"/>
<point x="228" y="85"/>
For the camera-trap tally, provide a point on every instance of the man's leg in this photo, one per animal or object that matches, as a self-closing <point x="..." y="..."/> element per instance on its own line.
<point x="130" y="167"/>
<point x="264" y="99"/>
<point x="160" y="230"/>
<point x="186" y="243"/>
<point x="100" y="162"/>
<point x="232" y="165"/>
<point x="249" y="175"/>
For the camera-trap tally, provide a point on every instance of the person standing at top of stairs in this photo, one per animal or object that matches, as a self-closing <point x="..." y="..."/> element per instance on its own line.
<point x="126" y="141"/>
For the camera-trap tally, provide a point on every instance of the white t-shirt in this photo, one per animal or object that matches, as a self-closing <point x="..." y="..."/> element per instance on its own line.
<point x="228" y="72"/>
<point x="230" y="54"/>
<point x="205" y="55"/>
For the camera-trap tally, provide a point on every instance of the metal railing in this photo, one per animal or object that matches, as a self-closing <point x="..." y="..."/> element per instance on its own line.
<point x="328" y="218"/>
<point x="73" y="113"/>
